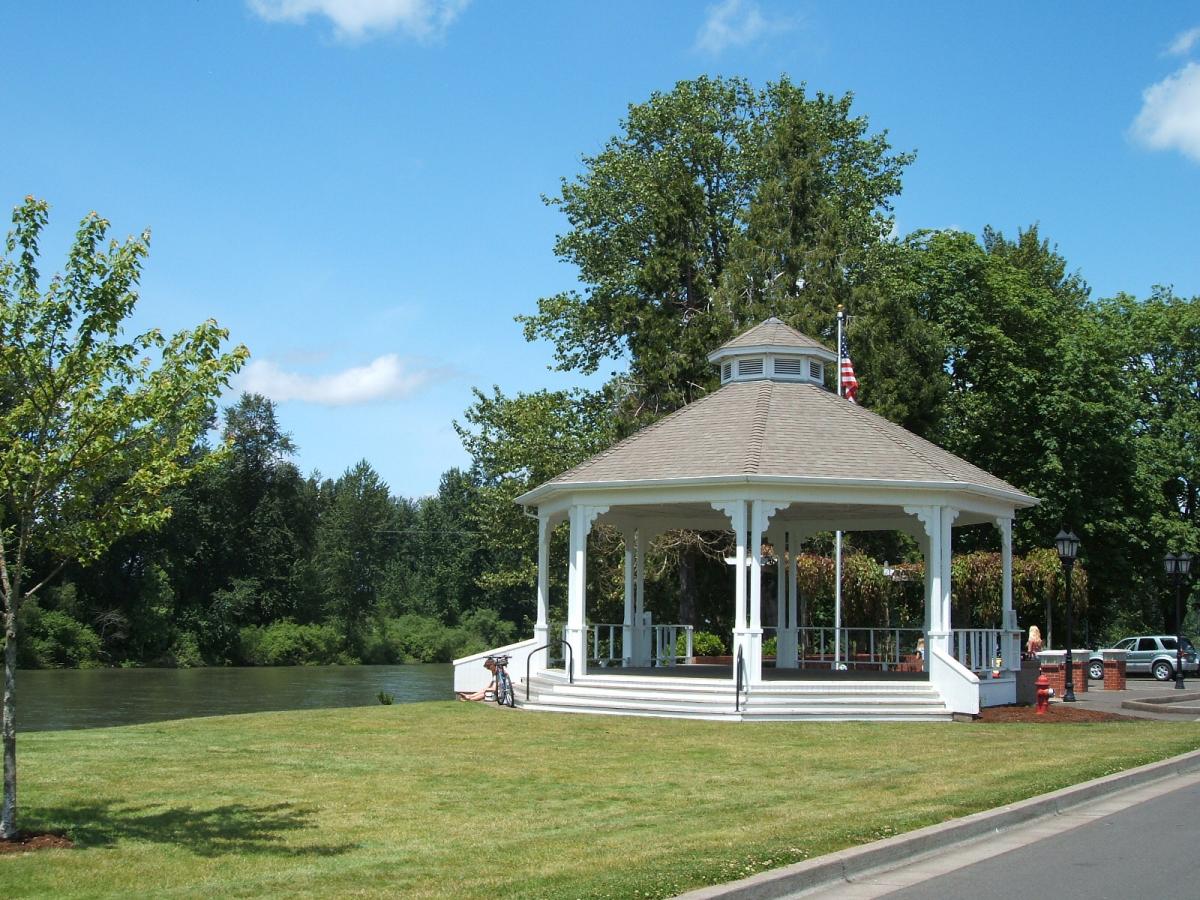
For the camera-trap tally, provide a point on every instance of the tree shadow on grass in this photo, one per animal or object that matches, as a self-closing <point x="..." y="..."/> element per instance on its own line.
<point x="235" y="828"/>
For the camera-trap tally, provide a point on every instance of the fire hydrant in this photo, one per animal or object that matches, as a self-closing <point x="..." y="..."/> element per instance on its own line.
<point x="1043" y="694"/>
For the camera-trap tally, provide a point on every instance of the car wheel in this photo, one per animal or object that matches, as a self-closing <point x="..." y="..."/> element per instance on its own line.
<point x="1096" y="670"/>
<point x="1162" y="670"/>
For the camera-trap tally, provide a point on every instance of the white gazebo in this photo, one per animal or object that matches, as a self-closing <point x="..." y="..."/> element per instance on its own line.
<point x="774" y="457"/>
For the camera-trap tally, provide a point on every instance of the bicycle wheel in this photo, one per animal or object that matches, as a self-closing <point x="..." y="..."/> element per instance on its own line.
<point x="504" y="690"/>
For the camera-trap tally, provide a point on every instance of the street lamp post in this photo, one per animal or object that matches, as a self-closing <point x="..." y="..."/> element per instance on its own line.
<point x="1177" y="568"/>
<point x="1067" y="543"/>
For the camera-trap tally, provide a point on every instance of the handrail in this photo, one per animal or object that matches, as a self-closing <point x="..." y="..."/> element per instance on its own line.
<point x="737" y="697"/>
<point x="570" y="663"/>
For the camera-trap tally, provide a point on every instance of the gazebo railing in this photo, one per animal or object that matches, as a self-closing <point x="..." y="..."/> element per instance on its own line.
<point x="985" y="651"/>
<point x="665" y="645"/>
<point x="861" y="648"/>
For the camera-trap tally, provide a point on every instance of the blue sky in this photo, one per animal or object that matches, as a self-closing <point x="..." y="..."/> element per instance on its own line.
<point x="352" y="187"/>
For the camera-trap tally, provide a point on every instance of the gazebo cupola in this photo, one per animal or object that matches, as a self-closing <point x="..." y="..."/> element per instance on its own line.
<point x="773" y="351"/>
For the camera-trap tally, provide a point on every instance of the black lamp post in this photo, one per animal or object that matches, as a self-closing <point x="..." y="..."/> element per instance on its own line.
<point x="1177" y="568"/>
<point x="1067" y="543"/>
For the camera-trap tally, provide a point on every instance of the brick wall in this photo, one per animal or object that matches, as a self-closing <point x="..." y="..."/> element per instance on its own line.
<point x="1057" y="676"/>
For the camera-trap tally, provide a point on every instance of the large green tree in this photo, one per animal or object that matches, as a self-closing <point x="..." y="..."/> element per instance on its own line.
<point x="706" y="213"/>
<point x="95" y="426"/>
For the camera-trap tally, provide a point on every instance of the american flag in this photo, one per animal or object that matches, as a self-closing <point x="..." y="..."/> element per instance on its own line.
<point x="846" y="372"/>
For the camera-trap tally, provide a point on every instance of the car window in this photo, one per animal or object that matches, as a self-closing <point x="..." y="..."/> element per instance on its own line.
<point x="1147" y="644"/>
<point x="1169" y="643"/>
<point x="1126" y="644"/>
<point x="1187" y="645"/>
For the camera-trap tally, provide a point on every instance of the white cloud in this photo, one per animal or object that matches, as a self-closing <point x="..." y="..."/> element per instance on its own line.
<point x="1183" y="42"/>
<point x="1170" y="114"/>
<point x="360" y="19"/>
<point x="732" y="23"/>
<point x="386" y="378"/>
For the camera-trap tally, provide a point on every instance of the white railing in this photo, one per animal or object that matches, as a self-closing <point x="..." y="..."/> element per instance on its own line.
<point x="860" y="648"/>
<point x="660" y="644"/>
<point x="985" y="651"/>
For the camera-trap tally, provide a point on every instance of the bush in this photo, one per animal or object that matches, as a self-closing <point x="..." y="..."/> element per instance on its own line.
<point x="704" y="643"/>
<point x="770" y="647"/>
<point x="184" y="652"/>
<point x="54" y="640"/>
<point x="288" y="644"/>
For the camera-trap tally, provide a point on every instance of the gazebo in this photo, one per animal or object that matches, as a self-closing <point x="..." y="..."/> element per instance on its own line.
<point x="774" y="457"/>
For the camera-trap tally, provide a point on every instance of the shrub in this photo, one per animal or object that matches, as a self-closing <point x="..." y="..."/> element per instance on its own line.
<point x="704" y="643"/>
<point x="184" y="652"/>
<point x="770" y="647"/>
<point x="54" y="640"/>
<point x="288" y="644"/>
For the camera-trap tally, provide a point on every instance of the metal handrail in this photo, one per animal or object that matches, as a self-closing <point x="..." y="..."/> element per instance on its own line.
<point x="569" y="661"/>
<point x="737" y="697"/>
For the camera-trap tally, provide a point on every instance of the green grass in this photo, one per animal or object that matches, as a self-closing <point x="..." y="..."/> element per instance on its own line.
<point x="455" y="799"/>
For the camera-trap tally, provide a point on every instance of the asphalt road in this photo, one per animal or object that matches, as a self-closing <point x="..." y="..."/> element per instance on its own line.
<point x="1146" y="851"/>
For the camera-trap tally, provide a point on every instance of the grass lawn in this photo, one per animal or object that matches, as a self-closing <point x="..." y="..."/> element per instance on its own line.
<point x="462" y="800"/>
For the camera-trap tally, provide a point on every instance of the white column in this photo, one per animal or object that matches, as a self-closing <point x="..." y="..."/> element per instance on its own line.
<point x="795" y="614"/>
<point x="1011" y="640"/>
<point x="937" y="628"/>
<point x="627" y="653"/>
<point x="640" y="634"/>
<point x="576" y="589"/>
<point x="541" y="629"/>
<point x="948" y="516"/>
<point x="754" y="632"/>
<point x="581" y="523"/>
<point x="736" y="511"/>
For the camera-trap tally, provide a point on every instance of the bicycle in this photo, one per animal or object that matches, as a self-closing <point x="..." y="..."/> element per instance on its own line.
<point x="505" y="695"/>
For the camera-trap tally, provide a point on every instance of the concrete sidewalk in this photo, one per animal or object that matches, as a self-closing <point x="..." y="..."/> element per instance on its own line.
<point x="1138" y="688"/>
<point x="844" y="865"/>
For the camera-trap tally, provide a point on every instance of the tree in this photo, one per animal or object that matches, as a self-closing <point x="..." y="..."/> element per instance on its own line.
<point x="700" y="218"/>
<point x="94" y="427"/>
<point x="355" y="540"/>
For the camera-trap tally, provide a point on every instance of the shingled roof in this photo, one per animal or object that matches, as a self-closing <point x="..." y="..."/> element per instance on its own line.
<point x="772" y="333"/>
<point x="777" y="428"/>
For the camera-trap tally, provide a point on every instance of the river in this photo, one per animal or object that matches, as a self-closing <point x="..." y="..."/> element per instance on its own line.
<point x="59" y="699"/>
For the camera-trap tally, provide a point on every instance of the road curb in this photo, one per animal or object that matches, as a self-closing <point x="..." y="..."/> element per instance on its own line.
<point x="1166" y="703"/>
<point x="844" y="864"/>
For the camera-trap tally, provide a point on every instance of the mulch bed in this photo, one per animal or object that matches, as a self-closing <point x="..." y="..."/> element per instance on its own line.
<point x="24" y="843"/>
<point x="1058" y="712"/>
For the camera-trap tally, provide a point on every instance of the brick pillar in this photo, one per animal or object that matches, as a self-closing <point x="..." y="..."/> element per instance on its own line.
<point x="1114" y="669"/>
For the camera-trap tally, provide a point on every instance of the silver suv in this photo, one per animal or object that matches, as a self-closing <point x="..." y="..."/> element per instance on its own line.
<point x="1154" y="654"/>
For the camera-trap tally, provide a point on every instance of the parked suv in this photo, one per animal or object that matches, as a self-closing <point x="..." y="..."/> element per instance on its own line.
<point x="1154" y="654"/>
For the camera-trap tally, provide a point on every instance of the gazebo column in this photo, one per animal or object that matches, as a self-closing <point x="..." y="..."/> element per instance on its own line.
<point x="582" y="518"/>
<point x="736" y="510"/>
<point x="753" y="641"/>
<point x="785" y="631"/>
<point x="1010" y="639"/>
<point x="760" y="514"/>
<point x="630" y="538"/>
<point x="937" y="522"/>
<point x="541" y="628"/>
<point x="641" y="635"/>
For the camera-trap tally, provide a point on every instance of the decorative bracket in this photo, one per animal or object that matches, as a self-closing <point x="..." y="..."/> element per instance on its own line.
<point x="1004" y="526"/>
<point x="590" y="514"/>
<point x="926" y="515"/>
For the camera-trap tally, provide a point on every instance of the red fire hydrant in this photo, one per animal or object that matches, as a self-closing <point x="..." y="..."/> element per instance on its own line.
<point x="1043" y="694"/>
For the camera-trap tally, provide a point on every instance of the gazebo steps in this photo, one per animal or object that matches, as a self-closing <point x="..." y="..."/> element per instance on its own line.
<point x="714" y="699"/>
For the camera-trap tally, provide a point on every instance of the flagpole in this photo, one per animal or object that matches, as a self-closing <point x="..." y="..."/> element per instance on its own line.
<point x="837" y="543"/>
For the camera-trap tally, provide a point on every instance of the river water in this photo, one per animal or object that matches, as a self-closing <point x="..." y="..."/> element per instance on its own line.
<point x="58" y="699"/>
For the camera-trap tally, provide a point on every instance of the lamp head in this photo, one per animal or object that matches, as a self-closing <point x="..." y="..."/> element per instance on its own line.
<point x="1067" y="543"/>
<point x="1170" y="563"/>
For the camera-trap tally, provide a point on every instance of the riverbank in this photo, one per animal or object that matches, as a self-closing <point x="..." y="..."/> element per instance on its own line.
<point x="454" y="799"/>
